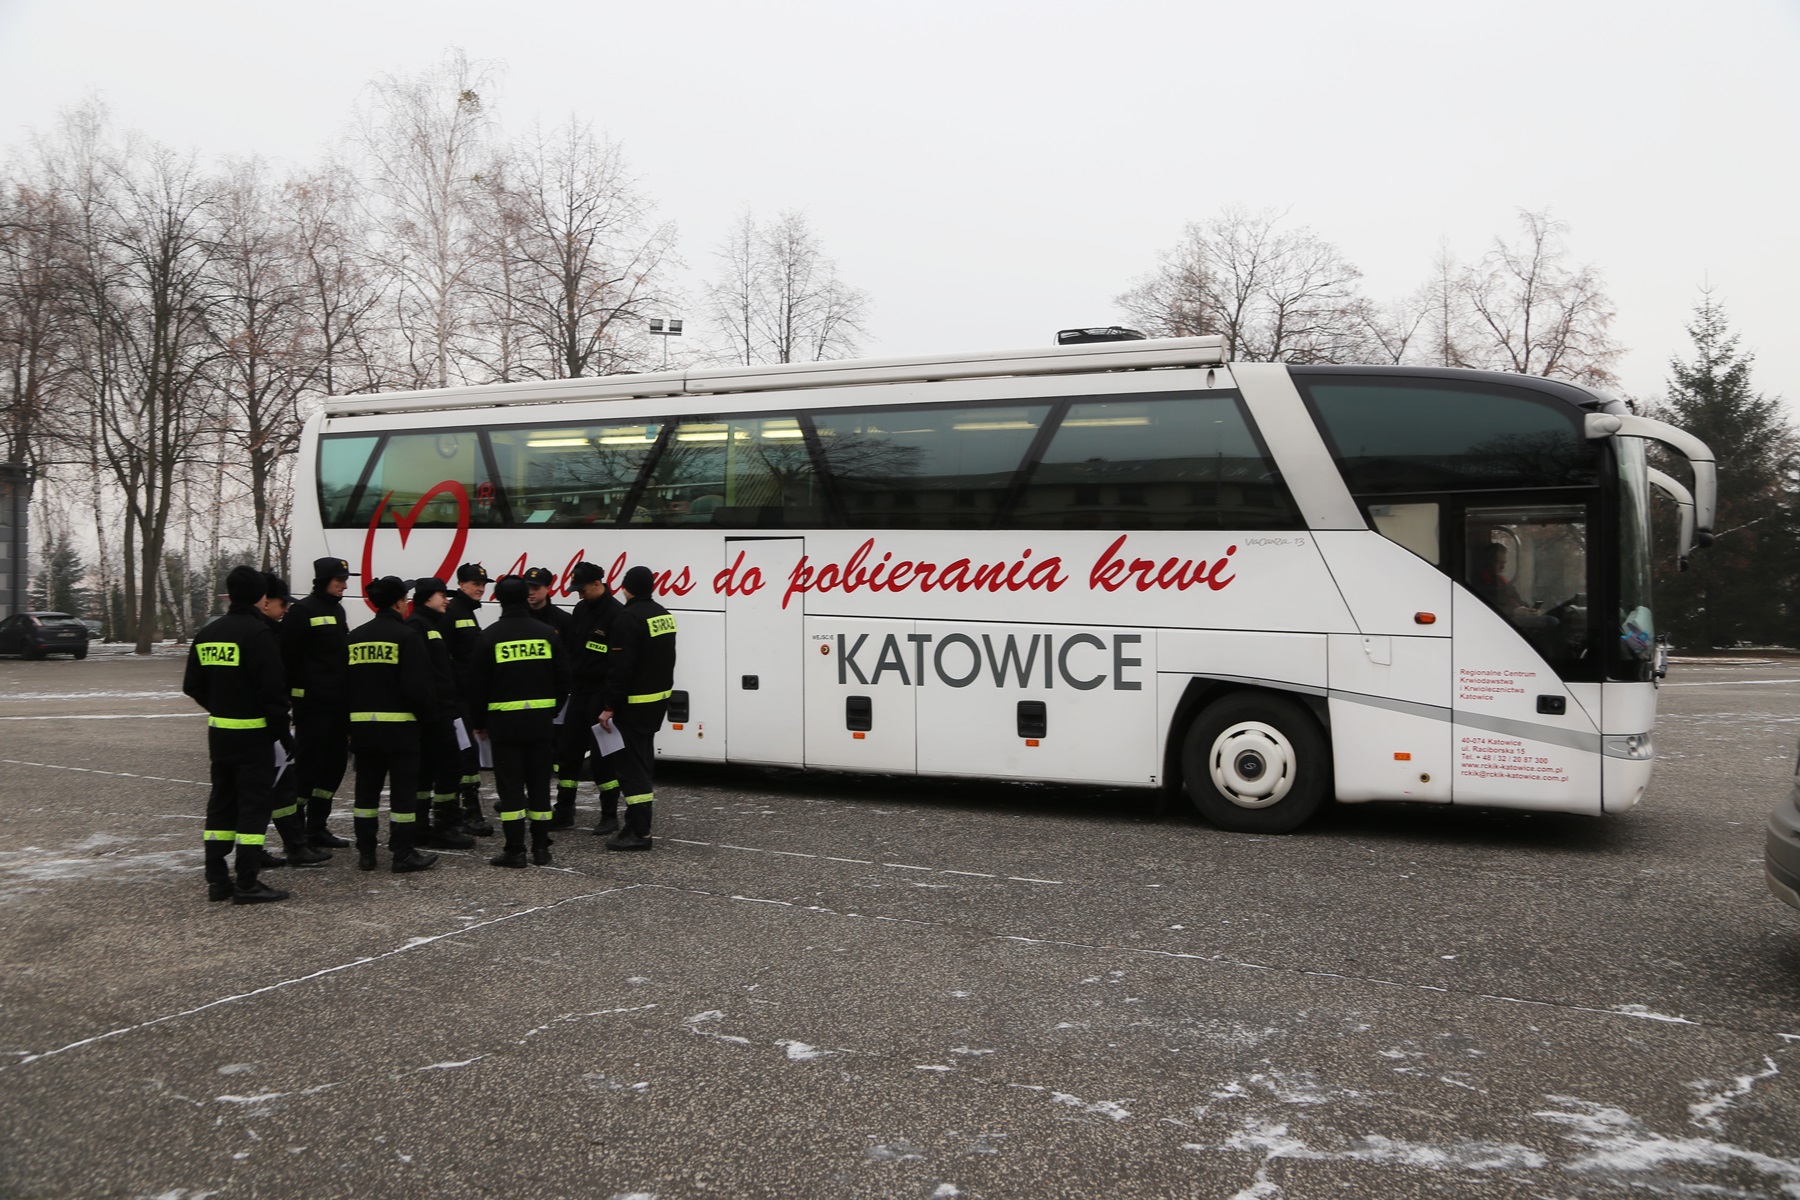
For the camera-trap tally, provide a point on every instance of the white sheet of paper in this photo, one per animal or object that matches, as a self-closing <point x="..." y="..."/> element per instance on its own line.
<point x="281" y="760"/>
<point x="462" y="735"/>
<point x="608" y="741"/>
<point x="485" y="753"/>
<point x="561" y="713"/>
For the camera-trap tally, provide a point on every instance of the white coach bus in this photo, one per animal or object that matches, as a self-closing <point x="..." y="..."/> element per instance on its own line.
<point x="1125" y="564"/>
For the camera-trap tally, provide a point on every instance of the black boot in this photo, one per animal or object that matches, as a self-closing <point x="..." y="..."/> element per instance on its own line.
<point x="218" y="871"/>
<point x="514" y="854"/>
<point x="368" y="832"/>
<point x="445" y="833"/>
<point x="407" y="856"/>
<point x="636" y="834"/>
<point x="317" y="809"/>
<point x="540" y="842"/>
<point x="609" y="812"/>
<point x="249" y="889"/>
<point x="474" y="820"/>
<point x="562" y="816"/>
<point x="293" y="840"/>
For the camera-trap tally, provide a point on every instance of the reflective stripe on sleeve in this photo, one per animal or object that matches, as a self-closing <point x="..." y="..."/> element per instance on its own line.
<point x="237" y="722"/>
<point x="431" y="634"/>
<point x="518" y="705"/>
<point x="649" y="697"/>
<point x="324" y="620"/>
<point x="466" y="623"/>
<point x="297" y="693"/>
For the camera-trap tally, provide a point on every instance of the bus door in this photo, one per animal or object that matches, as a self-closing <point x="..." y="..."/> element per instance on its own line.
<point x="1525" y="737"/>
<point x="764" y="688"/>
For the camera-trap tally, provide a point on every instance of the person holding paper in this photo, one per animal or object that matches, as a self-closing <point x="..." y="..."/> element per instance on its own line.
<point x="465" y="631"/>
<point x="521" y="673"/>
<point x="273" y="608"/>
<point x="440" y="758"/>
<point x="313" y="637"/>
<point x="234" y="672"/>
<point x="586" y="643"/>
<point x="640" y="673"/>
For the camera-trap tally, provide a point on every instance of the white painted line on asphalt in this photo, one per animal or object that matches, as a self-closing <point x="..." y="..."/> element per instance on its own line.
<point x="864" y="862"/>
<point x="108" y="717"/>
<point x="410" y="945"/>
<point x="19" y="762"/>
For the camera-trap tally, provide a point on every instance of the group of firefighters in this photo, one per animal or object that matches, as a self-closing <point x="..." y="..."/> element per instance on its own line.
<point x="416" y="693"/>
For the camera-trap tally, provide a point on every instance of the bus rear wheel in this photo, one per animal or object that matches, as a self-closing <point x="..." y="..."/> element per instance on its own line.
<point x="1255" y="763"/>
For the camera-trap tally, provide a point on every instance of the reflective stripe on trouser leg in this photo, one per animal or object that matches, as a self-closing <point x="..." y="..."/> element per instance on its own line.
<point x="534" y="815"/>
<point x="280" y="813"/>
<point x="513" y="815"/>
<point x="218" y="835"/>
<point x="644" y="798"/>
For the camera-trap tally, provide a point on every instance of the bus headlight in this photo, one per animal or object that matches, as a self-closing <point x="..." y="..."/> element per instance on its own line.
<point x="1628" y="745"/>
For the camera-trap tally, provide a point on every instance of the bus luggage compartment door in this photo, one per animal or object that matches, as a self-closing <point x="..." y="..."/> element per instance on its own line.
<point x="764" y="686"/>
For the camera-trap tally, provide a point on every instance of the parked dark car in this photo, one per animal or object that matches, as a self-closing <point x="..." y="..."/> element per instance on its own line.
<point x="1781" y="848"/>
<point x="35" y="634"/>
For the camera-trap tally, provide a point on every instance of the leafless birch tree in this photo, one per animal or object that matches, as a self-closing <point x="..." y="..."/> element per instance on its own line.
<point x="777" y="297"/>
<point x="1532" y="312"/>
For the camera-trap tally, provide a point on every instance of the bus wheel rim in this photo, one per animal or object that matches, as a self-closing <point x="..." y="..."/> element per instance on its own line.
<point x="1253" y="764"/>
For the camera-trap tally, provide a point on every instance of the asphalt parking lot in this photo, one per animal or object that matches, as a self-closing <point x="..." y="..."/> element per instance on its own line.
<point x="833" y="987"/>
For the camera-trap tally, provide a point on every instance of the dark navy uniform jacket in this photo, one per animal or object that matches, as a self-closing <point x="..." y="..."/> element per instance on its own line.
<point x="234" y="673"/>
<point x="313" y="636"/>
<point x="640" y="664"/>
<point x="521" y="675"/>
<point x="389" y="672"/>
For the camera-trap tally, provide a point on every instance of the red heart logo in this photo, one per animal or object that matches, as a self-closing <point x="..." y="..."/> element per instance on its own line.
<point x="404" y="524"/>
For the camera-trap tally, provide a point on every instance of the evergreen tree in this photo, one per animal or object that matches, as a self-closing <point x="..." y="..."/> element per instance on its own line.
<point x="1738" y="590"/>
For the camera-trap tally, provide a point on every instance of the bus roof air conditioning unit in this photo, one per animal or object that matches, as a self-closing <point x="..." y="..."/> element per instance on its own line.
<point x="1110" y="333"/>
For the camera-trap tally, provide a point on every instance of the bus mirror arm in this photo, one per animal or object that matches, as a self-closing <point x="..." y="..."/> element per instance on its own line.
<point x="1697" y="452"/>
<point x="1684" y="500"/>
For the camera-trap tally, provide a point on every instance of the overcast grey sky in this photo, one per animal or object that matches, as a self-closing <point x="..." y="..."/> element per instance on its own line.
<point x="990" y="172"/>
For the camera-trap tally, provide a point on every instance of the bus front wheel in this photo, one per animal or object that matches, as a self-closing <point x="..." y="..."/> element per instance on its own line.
<point x="1255" y="763"/>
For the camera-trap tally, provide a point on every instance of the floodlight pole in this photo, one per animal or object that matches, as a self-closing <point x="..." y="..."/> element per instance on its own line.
<point x="665" y="330"/>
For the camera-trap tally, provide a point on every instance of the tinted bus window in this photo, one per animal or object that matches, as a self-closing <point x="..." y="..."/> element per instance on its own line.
<point x="571" y="475"/>
<point x="733" y="473"/>
<point x="341" y="463"/>
<point x="1175" y="462"/>
<point x="409" y="471"/>
<point x="1392" y="435"/>
<point x="925" y="468"/>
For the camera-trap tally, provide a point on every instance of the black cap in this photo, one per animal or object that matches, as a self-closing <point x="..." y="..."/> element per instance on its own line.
<point x="386" y="591"/>
<point x="245" y="585"/>
<point x="424" y="589"/>
<point x="639" y="581"/>
<point x="276" y="588"/>
<point x="472" y="573"/>
<point x="331" y="568"/>
<point x="510" y="590"/>
<point x="586" y="572"/>
<point x="539" y="577"/>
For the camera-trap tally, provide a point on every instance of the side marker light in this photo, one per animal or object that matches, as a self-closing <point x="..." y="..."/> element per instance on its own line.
<point x="1031" y="741"/>
<point x="1424" y="618"/>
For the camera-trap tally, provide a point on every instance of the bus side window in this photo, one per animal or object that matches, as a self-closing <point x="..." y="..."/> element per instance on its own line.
<point x="570" y="476"/>
<point x="342" y="462"/>
<point x="1178" y="461"/>
<point x="1413" y="525"/>
<point x="925" y="468"/>
<point x="409" y="474"/>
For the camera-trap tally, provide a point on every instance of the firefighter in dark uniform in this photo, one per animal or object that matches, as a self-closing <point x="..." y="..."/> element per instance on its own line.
<point x="521" y="673"/>
<point x="389" y="688"/>
<point x="540" y="583"/>
<point x="440" y="758"/>
<point x="586" y="643"/>
<point x="288" y="822"/>
<point x="234" y="672"/>
<point x="640" y="672"/>
<point x="464" y="632"/>
<point x="313" y="637"/>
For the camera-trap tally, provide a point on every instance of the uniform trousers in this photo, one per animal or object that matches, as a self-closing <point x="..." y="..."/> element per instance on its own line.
<point x="522" y="777"/>
<point x="237" y="810"/>
<point x="634" y="765"/>
<point x="400" y="770"/>
<point x="321" y="755"/>
<point x="440" y="762"/>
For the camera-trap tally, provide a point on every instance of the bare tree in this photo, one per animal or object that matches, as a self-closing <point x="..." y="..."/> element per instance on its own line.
<point x="1532" y="312"/>
<point x="34" y="334"/>
<point x="426" y="141"/>
<point x="582" y="255"/>
<point x="778" y="299"/>
<point x="344" y="292"/>
<point x="1272" y="294"/>
<point x="261" y="323"/>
